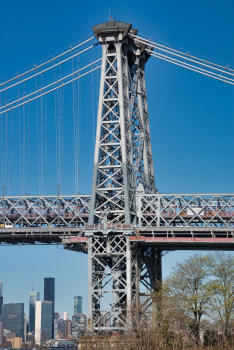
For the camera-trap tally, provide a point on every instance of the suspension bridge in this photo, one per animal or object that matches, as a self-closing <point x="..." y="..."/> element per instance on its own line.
<point x="125" y="225"/>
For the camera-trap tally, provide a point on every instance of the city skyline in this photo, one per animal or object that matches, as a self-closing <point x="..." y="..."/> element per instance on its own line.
<point x="35" y="296"/>
<point x="42" y="321"/>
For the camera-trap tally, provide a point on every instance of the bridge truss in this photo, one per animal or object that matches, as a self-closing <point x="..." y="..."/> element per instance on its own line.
<point x="121" y="256"/>
<point x="125" y="224"/>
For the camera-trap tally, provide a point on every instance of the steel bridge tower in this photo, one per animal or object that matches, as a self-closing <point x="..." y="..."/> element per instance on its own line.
<point x="123" y="166"/>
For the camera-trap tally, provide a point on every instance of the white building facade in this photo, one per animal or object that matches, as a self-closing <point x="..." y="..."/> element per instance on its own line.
<point x="43" y="321"/>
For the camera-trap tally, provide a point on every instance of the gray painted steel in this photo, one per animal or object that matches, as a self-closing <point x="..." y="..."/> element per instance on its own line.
<point x="125" y="224"/>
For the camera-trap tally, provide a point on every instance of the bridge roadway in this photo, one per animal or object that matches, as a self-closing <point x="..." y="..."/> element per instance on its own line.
<point x="181" y="221"/>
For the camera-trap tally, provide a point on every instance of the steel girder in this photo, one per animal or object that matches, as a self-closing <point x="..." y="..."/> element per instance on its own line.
<point x="185" y="210"/>
<point x="123" y="154"/>
<point x="153" y="210"/>
<point x="44" y="211"/>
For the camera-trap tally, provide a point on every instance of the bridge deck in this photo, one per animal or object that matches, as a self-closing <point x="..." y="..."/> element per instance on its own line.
<point x="168" y="220"/>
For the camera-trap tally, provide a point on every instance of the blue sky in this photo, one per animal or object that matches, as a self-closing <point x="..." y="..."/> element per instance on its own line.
<point x="191" y="116"/>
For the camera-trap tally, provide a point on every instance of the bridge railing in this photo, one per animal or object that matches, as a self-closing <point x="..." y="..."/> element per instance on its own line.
<point x="44" y="211"/>
<point x="185" y="210"/>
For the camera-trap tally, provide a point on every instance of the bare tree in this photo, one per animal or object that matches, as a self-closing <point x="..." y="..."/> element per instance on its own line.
<point x="186" y="292"/>
<point x="221" y="291"/>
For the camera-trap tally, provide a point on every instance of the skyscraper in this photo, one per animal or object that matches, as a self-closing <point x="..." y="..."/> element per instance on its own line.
<point x="78" y="305"/>
<point x="1" y="298"/>
<point x="1" y="333"/>
<point x="34" y="296"/>
<point x="65" y="315"/>
<point x="78" y="325"/>
<point x="12" y="318"/>
<point x="49" y="295"/>
<point x="43" y="321"/>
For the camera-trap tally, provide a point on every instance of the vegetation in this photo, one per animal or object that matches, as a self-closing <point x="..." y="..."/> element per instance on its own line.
<point x="192" y="309"/>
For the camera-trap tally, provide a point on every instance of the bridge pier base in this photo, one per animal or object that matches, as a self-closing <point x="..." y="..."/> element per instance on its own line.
<point x="116" y="267"/>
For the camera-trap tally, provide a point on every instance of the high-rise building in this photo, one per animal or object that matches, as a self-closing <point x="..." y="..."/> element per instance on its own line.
<point x="59" y="329"/>
<point x="1" y="333"/>
<point x="43" y="321"/>
<point x="78" y="324"/>
<point x="78" y="305"/>
<point x="68" y="329"/>
<point x="1" y="298"/>
<point x="1" y="302"/>
<point x="25" y="327"/>
<point x="34" y="296"/>
<point x="12" y="318"/>
<point x="56" y="316"/>
<point x="49" y="295"/>
<point x="65" y="315"/>
<point x="17" y="342"/>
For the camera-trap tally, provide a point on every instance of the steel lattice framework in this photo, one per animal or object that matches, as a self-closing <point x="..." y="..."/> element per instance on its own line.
<point x="123" y="154"/>
<point x="125" y="225"/>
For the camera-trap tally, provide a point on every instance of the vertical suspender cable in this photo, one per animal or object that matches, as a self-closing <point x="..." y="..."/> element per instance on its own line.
<point x="41" y="107"/>
<point x="55" y="114"/>
<point x="24" y="146"/>
<point x="93" y="112"/>
<point x="28" y="141"/>
<point x="20" y="148"/>
<point x="79" y="135"/>
<point x="76" y="169"/>
<point x="74" y="121"/>
<point x="11" y="154"/>
<point x="60" y="122"/>
<point x="45" y="136"/>
<point x="62" y="131"/>
<point x="97" y="91"/>
<point x="6" y="151"/>
<point x="2" y="152"/>
<point x="38" y="144"/>
<point x="78" y="130"/>
<point x="58" y="137"/>
<point x="1" y="146"/>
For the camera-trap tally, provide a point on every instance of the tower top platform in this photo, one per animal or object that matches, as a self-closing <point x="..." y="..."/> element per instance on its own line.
<point x="113" y="28"/>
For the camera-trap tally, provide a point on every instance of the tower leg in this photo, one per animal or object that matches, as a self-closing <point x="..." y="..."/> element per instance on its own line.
<point x="90" y="298"/>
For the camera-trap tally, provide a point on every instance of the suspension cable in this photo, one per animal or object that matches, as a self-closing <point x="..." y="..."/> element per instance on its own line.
<point x="47" y="92"/>
<point x="45" y="70"/>
<point x="191" y="67"/>
<point x="43" y="64"/>
<point x="9" y="105"/>
<point x="156" y="54"/>
<point x="186" y="56"/>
